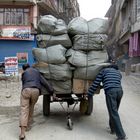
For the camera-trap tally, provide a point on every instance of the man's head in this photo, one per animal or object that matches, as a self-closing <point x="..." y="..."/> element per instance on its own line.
<point x="25" y="66"/>
<point x="113" y="66"/>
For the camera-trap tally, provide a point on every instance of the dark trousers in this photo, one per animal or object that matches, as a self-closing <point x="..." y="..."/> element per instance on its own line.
<point x="113" y="99"/>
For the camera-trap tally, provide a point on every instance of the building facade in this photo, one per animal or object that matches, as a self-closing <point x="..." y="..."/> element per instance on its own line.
<point x="19" y="18"/>
<point x="124" y="32"/>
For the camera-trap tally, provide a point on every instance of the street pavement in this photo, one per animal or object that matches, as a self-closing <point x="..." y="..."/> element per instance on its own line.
<point x="93" y="127"/>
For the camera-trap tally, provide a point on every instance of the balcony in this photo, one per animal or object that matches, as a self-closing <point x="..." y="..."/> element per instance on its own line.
<point x="50" y="5"/>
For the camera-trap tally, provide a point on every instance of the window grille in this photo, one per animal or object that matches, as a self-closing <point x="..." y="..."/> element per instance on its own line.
<point x="14" y="16"/>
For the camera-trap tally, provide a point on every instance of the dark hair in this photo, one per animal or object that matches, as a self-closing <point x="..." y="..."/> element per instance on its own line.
<point x="25" y="66"/>
<point x="113" y="66"/>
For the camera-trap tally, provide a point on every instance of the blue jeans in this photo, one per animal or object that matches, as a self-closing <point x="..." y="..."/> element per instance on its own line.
<point x="113" y="99"/>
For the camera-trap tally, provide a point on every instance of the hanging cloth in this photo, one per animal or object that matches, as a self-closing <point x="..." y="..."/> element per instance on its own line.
<point x="134" y="45"/>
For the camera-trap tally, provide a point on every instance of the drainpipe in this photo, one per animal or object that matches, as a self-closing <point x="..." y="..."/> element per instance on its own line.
<point x="35" y="15"/>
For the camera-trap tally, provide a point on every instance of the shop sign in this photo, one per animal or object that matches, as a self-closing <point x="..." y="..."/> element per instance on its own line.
<point x="16" y="33"/>
<point x="11" y="66"/>
<point x="22" y="58"/>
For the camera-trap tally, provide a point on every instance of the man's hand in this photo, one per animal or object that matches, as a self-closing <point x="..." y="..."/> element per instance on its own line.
<point x="89" y="96"/>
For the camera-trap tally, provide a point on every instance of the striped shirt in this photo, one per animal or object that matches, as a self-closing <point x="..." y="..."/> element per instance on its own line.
<point x="110" y="78"/>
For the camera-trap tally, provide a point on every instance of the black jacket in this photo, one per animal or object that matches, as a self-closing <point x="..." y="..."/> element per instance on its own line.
<point x="32" y="78"/>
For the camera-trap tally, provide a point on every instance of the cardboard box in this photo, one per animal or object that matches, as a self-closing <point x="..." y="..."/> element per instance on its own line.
<point x="80" y="86"/>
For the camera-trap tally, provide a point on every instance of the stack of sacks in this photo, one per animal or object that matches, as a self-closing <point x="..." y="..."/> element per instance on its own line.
<point x="53" y="42"/>
<point x="88" y="53"/>
<point x="52" y="31"/>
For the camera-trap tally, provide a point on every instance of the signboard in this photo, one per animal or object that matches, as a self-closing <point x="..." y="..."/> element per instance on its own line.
<point x="11" y="66"/>
<point x="22" y="58"/>
<point x="16" y="33"/>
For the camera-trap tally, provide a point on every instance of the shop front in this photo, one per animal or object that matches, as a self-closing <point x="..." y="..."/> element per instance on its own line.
<point x="16" y="24"/>
<point x="17" y="41"/>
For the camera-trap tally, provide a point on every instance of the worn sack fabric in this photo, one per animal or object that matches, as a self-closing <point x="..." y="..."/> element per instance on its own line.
<point x="56" y="72"/>
<point x="79" y="25"/>
<point x="90" y="72"/>
<point x="89" y="42"/>
<point x="62" y="87"/>
<point x="44" y="41"/>
<point x="98" y="26"/>
<point x="44" y="91"/>
<point x="83" y="59"/>
<point x="48" y="24"/>
<point x="54" y="54"/>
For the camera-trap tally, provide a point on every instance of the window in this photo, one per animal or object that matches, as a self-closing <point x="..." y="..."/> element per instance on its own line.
<point x="14" y="16"/>
<point x="7" y="17"/>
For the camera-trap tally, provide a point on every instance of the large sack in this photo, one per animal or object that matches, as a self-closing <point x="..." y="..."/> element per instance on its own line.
<point x="54" y="54"/>
<point x="51" y="25"/>
<point x="62" y="87"/>
<point x="77" y="25"/>
<point x="80" y="26"/>
<point x="44" y="41"/>
<point x="56" y="72"/>
<point x="40" y="65"/>
<point x="90" y="72"/>
<point x="98" y="26"/>
<point x="83" y="59"/>
<point x="89" y="42"/>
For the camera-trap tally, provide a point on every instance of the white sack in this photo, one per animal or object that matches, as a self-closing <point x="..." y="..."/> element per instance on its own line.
<point x="56" y="72"/>
<point x="48" y="24"/>
<point x="44" y="41"/>
<point x="98" y="26"/>
<point x="89" y="42"/>
<point x="89" y="73"/>
<point x="54" y="54"/>
<point x="80" y="26"/>
<point x="62" y="87"/>
<point x="83" y="59"/>
<point x="77" y="25"/>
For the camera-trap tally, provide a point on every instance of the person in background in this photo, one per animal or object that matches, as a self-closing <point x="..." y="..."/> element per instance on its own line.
<point x="32" y="81"/>
<point x="111" y="80"/>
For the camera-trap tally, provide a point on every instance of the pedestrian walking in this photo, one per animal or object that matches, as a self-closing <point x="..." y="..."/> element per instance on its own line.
<point x="32" y="81"/>
<point x="111" y="80"/>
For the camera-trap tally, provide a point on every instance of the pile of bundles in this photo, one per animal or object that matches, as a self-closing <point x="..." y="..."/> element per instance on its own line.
<point x="87" y="54"/>
<point x="70" y="55"/>
<point x="53" y="43"/>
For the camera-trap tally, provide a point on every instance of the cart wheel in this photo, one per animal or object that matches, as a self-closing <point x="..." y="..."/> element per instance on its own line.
<point x="90" y="106"/>
<point x="70" y="124"/>
<point x="46" y="105"/>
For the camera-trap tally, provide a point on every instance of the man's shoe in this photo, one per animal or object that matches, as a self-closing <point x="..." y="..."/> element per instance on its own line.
<point x="112" y="132"/>
<point x="125" y="138"/>
<point x="21" y="137"/>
